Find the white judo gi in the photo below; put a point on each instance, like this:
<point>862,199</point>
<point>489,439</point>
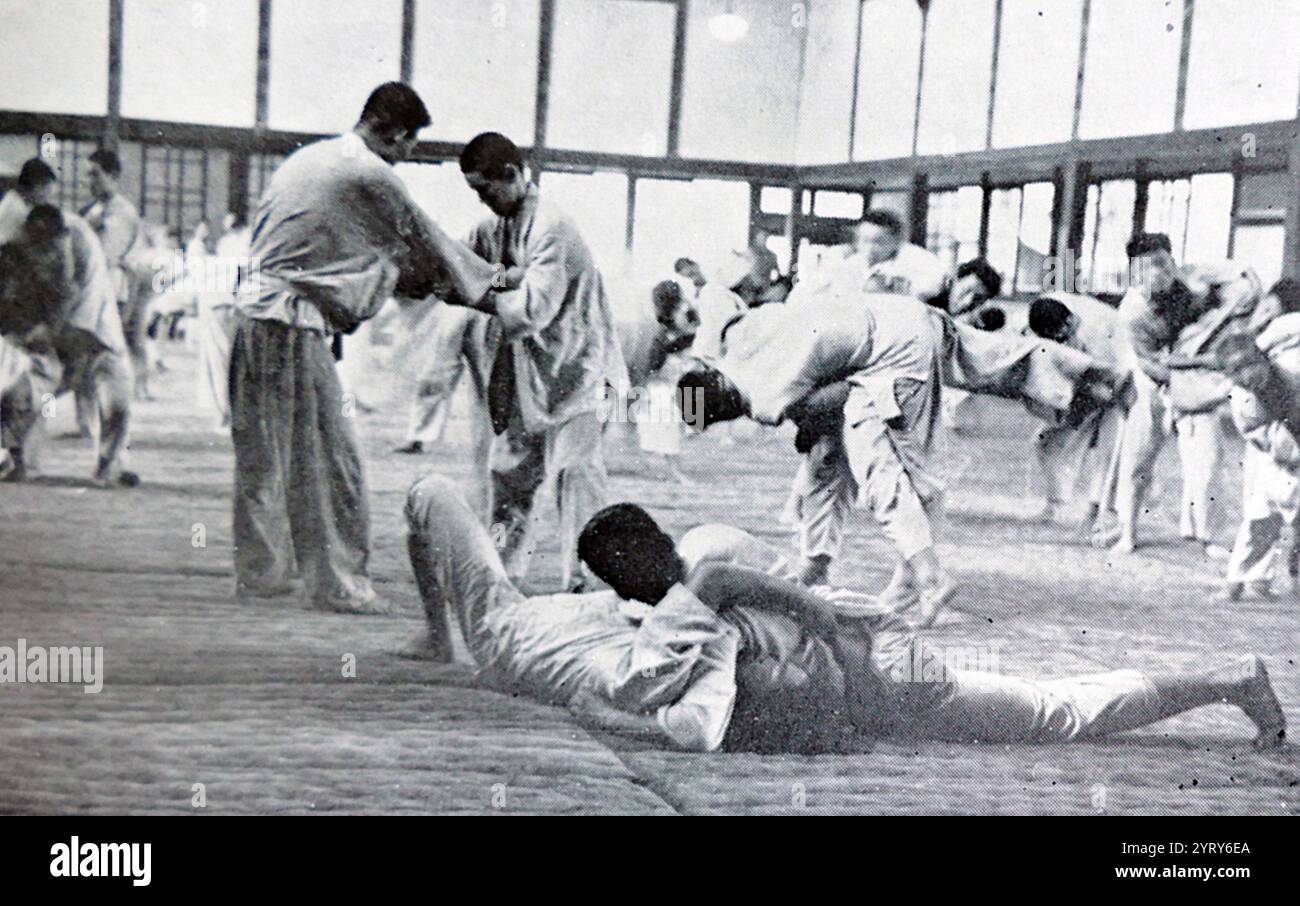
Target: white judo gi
<point>554,350</point>
<point>1271,465</point>
<point>1071,457</point>
<point>676,660</point>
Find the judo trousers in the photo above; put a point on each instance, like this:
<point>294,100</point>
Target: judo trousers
<point>299,489</point>
<point>902,686</point>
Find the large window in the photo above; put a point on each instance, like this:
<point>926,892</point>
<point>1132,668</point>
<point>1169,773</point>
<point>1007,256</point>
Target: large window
<point>740,100</point>
<point>1038,69</point>
<point>489,47</point>
<point>55,56</point>
<point>1133,51</point>
<point>597,202</point>
<point>1258,233</point>
<point>611,70</point>
<point>955,86</point>
<point>192,62</point>
<point>1107,228</point>
<point>1020,234</point>
<point>952,226</point>
<point>326,58</point>
<point>887,74</point>
<point>1243,65</point>
<point>1194,213</point>
<point>826,92</point>
<point>175,187</point>
<point>702,219</point>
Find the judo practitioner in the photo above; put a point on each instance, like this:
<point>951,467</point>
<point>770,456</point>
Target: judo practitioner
<point>887,349</point>
<point>55,273</point>
<point>894,683</point>
<point>1075,451</point>
<point>1170,319</point>
<point>553,349</point>
<point>675,661</point>
<point>117,223</point>
<point>35,186</point>
<point>335,235</point>
<point>833,367</point>
<point>457,349</point>
<point>1271,465</point>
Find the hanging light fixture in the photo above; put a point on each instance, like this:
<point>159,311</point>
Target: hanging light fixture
<point>729,26</point>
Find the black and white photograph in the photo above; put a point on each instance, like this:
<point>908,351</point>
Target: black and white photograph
<point>650,407</point>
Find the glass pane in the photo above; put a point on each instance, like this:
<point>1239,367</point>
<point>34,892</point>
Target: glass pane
<point>598,204</point>
<point>953,224</point>
<point>1263,248</point>
<point>1108,226</point>
<point>1168,205</point>
<point>205,71</point>
<point>442,191</point>
<point>55,56</point>
<point>740,100</point>
<point>775,200</point>
<point>611,67</point>
<point>1035,236</point>
<point>887,79</point>
<point>490,47</point>
<point>175,187</point>
<point>703,219</point>
<point>1038,63</point>
<point>1004,231</point>
<point>958,65</point>
<point>311,90</point>
<point>826,90</point>
<point>1131,43</point>
<point>845,205</point>
<point>1243,65</point>
<point>1209,217</point>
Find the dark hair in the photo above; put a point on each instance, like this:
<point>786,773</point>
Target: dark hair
<point>108,161</point>
<point>1048,317</point>
<point>667,296</point>
<point>1147,244</point>
<point>395,105</point>
<point>886,219</point>
<point>683,265</point>
<point>488,153</point>
<point>1287,291</point>
<point>44,222</point>
<point>987,274</point>
<point>35,173</point>
<point>991,318</point>
<point>722,402</point>
<point>624,547</point>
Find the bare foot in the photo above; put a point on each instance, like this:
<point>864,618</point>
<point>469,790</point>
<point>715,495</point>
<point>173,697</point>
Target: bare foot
<point>1260,703</point>
<point>1124,546</point>
<point>426,647</point>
